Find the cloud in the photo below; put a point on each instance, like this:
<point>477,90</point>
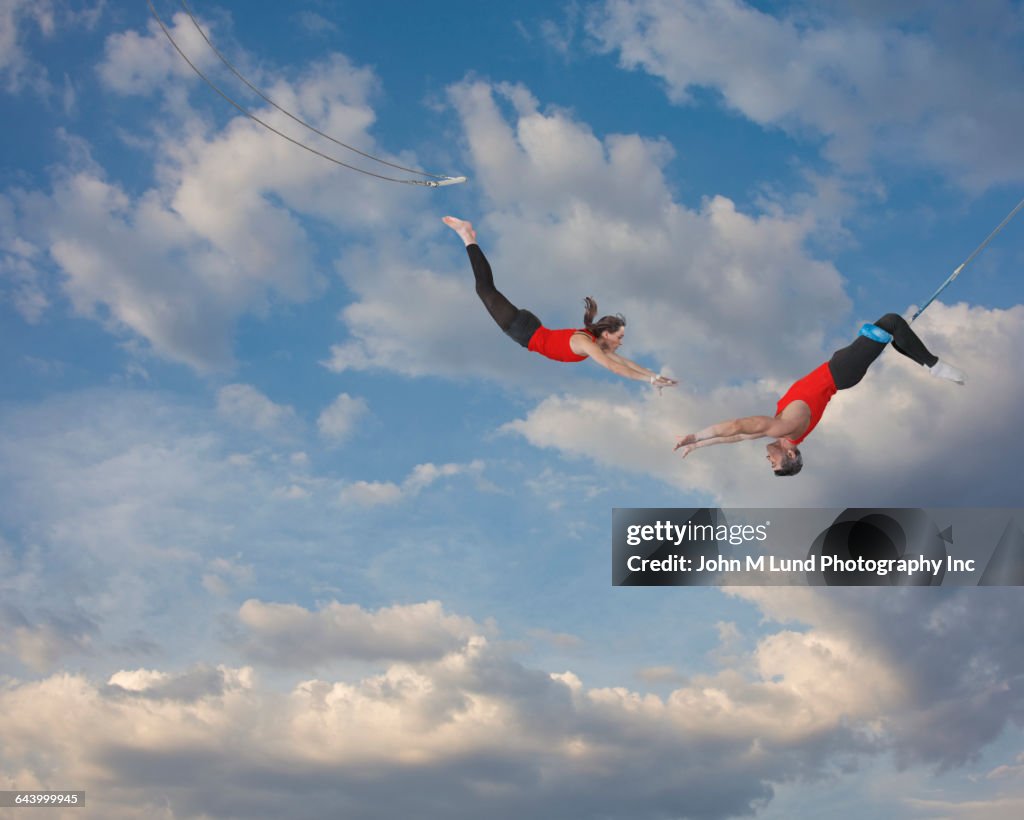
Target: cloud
<point>129,520</point>
<point>133,523</point>
<point>17,69</point>
<point>373,493</point>
<point>219,233</point>
<point>478,734</point>
<point>370,493</point>
<point>868,671</point>
<point>898,438</point>
<point>560,35</point>
<point>20,21</point>
<point>412,321</point>
<point>423,475</point>
<point>1014,771</point>
<point>121,260</point>
<point>290,635</point>
<point>224,573</point>
<point>938,648</point>
<point>559,640</point>
<point>21,282</point>
<point>337,421</point>
<point>315,24</point>
<point>44,637</point>
<point>244,405</point>
<point>189,687</point>
<point>660,674</point>
<point>134,63</point>
<point>927,90</point>
<point>997,809</point>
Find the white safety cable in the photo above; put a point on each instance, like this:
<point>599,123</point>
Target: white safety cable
<point>967,261</point>
<point>434,183</point>
<point>288,114</point>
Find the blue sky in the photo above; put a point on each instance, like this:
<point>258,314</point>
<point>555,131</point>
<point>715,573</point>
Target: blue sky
<point>285,517</point>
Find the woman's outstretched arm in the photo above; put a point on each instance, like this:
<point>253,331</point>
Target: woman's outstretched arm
<point>619,365</point>
<point>654,378</point>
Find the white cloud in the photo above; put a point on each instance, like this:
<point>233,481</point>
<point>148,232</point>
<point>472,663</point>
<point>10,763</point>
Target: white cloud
<point>423,475</point>
<point>244,405</point>
<point>370,493</point>
<point>935,648</point>
<point>139,64</point>
<point>122,262</point>
<point>935,93</point>
<point>315,24</point>
<point>293,491</point>
<point>560,35</point>
<point>423,326</point>
<point>191,686</point>
<point>21,283</point>
<point>223,574</point>
<point>290,635</point>
<point>471,725</point>
<point>42,642</point>
<point>373,493</point>
<point>21,21</point>
<point>17,69</point>
<point>337,422</point>
<point>133,522</point>
<point>130,520</point>
<point>219,233</point>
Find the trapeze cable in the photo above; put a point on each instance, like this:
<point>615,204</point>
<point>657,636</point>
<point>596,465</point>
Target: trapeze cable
<point>433,183</point>
<point>967,261</point>
<point>288,114</point>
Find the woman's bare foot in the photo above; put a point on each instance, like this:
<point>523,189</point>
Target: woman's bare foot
<point>463,228</point>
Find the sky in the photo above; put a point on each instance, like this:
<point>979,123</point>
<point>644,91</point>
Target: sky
<point>289,528</point>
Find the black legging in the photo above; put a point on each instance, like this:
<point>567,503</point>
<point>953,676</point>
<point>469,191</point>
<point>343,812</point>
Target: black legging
<point>501,309</point>
<point>849,364</point>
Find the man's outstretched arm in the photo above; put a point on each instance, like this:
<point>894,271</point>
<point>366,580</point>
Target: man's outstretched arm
<point>743,429</point>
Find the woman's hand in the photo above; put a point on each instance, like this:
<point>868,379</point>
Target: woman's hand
<point>687,443</point>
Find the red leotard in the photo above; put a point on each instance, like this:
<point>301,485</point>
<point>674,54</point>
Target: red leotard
<point>554,344</point>
<point>815,389</point>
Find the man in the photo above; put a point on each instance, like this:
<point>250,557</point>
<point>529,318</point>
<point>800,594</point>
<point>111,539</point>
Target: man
<point>799,411</point>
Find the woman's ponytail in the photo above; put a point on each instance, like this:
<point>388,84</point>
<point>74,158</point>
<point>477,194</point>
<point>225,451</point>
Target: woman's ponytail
<point>609,323</point>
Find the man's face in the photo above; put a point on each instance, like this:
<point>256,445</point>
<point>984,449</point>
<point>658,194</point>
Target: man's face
<point>776,454</point>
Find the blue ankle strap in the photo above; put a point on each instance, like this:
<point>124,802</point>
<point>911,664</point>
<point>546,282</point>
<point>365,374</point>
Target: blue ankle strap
<point>876,333</point>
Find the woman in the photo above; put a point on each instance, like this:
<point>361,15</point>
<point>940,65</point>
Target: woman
<point>596,340</point>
